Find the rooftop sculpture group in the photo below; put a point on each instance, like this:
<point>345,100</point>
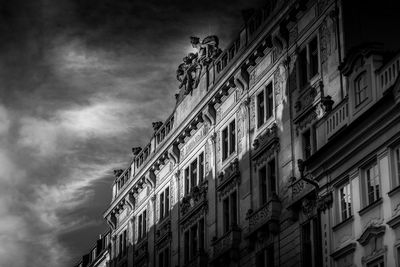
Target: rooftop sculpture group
<point>189,72</point>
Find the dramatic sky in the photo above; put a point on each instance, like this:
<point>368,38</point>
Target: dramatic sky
<point>80,84</point>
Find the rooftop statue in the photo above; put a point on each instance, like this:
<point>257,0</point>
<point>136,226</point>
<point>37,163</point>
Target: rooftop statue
<point>207,49</point>
<point>189,72</point>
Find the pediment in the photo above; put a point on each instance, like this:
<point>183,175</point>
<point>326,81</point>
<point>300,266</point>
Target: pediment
<point>371,232</point>
<point>356,56</point>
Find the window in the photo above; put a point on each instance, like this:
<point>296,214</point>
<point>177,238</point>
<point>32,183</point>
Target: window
<point>344,199</point>
<point>122,248</point>
<point>265,258</point>
<point>360,89</point>
<point>163,258</point>
<point>371,177</point>
<point>267,177</point>
<point>194,173</point>
<point>265,104</point>
<point>194,240</point>
<point>309,142</point>
<point>376,263</point>
<point>164,203</point>
<point>396,165</point>
<point>311,243</point>
<point>308,62</point>
<point>142,221</point>
<point>228,140</point>
<point>229,209</point>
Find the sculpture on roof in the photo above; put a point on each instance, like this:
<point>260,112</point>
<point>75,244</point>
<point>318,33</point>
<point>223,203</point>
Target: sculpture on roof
<point>118,172</point>
<point>136,150</point>
<point>157,125</point>
<point>189,72</point>
<point>207,49</point>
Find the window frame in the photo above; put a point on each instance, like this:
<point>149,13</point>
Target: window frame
<point>194,243</point>
<point>268,107</point>
<point>395,165</point>
<point>304,66</point>
<point>267,189</point>
<point>362,76</point>
<point>142,225</point>
<point>199,170</point>
<point>229,211</point>
<point>230,148</point>
<point>348,209</point>
<point>377,194</point>
<point>164,203</point>
<point>312,139</point>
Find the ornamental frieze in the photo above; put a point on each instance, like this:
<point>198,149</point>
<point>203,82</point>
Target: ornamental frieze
<point>266,144</point>
<point>264,215</point>
<point>194,141</point>
<point>197,197</point>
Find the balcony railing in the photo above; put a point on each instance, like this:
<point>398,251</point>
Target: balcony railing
<point>195,199</point>
<point>267,215</point>
<point>300,189</point>
<point>228,242</point>
<point>337,119</point>
<point>388,74</point>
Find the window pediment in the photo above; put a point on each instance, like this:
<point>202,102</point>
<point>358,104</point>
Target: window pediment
<point>371,232</point>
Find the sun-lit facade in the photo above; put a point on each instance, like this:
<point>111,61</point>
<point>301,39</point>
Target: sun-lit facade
<point>282,150</point>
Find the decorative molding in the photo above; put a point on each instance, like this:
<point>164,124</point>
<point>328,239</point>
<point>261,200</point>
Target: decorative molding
<point>349,248</point>
<point>371,232</point>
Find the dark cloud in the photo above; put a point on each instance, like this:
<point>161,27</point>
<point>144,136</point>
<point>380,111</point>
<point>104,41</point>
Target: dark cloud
<point>79,83</point>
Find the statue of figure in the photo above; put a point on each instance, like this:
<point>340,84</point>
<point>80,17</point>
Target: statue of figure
<point>207,49</point>
<point>188,72</point>
<point>117,173</point>
<point>157,125</point>
<point>136,150</point>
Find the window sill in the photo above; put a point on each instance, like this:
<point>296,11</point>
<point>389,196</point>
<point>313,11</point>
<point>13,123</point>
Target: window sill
<point>343,223</point>
<point>394,191</point>
<point>370,206</point>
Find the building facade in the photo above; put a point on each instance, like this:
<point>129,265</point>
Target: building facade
<point>99,255</point>
<point>282,150</point>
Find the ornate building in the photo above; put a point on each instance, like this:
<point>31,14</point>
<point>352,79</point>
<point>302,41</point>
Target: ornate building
<point>282,150</point>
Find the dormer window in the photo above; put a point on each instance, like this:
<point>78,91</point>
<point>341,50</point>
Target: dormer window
<point>360,89</point>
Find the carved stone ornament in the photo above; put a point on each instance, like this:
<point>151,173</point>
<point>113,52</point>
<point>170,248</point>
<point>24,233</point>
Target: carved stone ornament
<point>189,72</point>
<point>118,172</point>
<point>136,150</point>
<point>157,125</point>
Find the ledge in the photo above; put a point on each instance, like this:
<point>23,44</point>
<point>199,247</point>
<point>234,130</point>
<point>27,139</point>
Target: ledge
<point>342,223</point>
<point>394,191</point>
<point>370,206</point>
<point>344,250</point>
<point>394,222</point>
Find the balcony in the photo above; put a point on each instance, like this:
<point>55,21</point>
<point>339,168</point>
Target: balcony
<point>227,245</point>
<point>265,217</point>
<point>387,76</point>
<point>231,174</point>
<point>196,199</point>
<point>300,189</point>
